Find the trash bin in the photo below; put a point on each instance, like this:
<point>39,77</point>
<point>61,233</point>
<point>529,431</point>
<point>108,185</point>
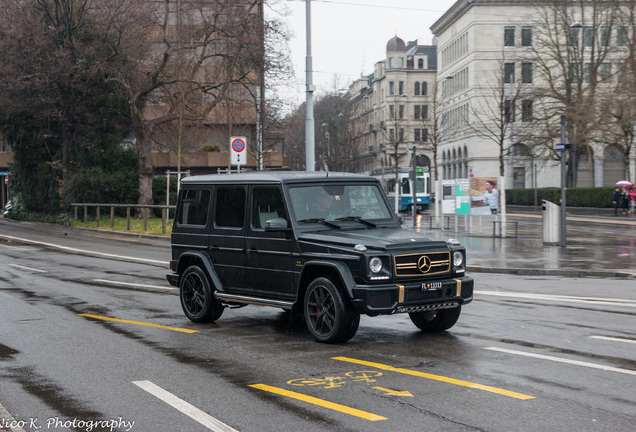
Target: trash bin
<point>551,225</point>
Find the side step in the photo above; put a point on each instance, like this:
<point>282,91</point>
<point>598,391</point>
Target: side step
<point>234,298</point>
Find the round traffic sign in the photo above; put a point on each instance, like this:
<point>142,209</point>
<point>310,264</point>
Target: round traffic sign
<point>238,145</point>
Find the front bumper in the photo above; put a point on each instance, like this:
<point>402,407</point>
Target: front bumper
<point>412,296</point>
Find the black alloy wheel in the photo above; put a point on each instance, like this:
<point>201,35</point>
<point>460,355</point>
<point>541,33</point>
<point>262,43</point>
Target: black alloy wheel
<point>329,318</point>
<point>197,298</point>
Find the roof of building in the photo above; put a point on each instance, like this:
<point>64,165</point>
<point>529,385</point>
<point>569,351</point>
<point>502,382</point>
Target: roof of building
<point>395,44</point>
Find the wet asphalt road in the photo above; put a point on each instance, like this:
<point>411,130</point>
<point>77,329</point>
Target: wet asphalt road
<point>530,353</point>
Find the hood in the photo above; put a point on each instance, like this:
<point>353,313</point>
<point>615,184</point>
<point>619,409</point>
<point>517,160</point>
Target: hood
<point>377,238</point>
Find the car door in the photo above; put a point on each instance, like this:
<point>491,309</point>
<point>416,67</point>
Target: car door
<point>270,254</point>
<point>227,235</point>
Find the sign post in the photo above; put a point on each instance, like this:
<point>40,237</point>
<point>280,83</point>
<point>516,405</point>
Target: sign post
<point>238,155</point>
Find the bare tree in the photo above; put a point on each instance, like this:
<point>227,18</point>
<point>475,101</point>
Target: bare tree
<point>572,57</point>
<point>176,60</point>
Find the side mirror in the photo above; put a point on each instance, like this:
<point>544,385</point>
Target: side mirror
<point>278,224</point>
<point>400,218</point>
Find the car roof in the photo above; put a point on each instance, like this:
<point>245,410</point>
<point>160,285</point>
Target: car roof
<point>275,177</point>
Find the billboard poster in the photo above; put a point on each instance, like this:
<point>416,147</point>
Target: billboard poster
<point>484,196</point>
<point>448,197</point>
<point>462,196</point>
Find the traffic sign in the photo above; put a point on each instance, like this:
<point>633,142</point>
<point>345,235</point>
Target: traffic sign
<point>237,150</point>
<point>559,147</point>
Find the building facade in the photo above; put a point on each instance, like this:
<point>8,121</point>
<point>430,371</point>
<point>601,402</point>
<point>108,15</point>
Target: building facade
<point>511,70</point>
<point>391,107</point>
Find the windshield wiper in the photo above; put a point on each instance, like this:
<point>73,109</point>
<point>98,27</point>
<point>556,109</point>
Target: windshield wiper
<point>357,218</point>
<point>321,220</point>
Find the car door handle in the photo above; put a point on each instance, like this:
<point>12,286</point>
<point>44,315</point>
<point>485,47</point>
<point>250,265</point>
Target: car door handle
<point>252,250</point>
<point>214,248</point>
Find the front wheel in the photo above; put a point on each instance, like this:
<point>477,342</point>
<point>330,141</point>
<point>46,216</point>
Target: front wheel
<point>329,318</point>
<point>197,298</point>
<point>436,321</point>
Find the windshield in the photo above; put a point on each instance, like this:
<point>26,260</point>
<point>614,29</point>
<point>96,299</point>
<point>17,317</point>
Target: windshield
<point>338,202</point>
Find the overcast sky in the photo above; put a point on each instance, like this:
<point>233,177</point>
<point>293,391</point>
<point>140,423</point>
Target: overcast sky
<point>350,36</point>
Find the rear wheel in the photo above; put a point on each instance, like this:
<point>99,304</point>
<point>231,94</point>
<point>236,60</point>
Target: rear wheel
<point>197,298</point>
<point>329,318</point>
<point>436,321</point>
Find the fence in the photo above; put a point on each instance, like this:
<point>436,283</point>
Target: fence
<point>164,213</point>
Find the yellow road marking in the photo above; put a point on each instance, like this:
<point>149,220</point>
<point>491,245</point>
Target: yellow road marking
<point>320,402</point>
<point>139,323</point>
<point>395,392</point>
<point>436,377</point>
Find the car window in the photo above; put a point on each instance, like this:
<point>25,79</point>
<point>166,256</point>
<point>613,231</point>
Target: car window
<point>230,206</point>
<point>267,203</point>
<point>194,207</point>
<point>333,202</point>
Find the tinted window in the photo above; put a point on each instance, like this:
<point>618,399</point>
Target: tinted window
<point>194,207</point>
<point>267,203</point>
<point>230,206</point>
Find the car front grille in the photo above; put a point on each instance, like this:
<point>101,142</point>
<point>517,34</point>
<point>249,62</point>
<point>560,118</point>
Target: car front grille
<point>422,264</point>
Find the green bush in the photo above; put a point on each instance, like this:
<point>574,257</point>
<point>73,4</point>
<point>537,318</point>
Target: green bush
<point>576,197</point>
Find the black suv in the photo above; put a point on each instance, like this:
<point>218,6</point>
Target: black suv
<point>324,243</point>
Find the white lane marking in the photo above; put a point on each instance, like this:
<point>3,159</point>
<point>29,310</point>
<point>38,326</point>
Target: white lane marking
<point>132,284</point>
<point>562,298</point>
<point>613,339</point>
<point>28,268</point>
<point>183,406</point>
<point>70,249</point>
<point>562,360</point>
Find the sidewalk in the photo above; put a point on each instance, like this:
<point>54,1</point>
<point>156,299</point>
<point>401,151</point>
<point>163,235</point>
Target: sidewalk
<point>598,244</point>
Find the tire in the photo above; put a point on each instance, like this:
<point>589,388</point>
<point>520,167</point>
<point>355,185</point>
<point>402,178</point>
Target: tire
<point>436,321</point>
<point>197,298</point>
<point>328,317</point>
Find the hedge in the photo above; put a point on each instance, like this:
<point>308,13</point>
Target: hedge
<point>576,197</point>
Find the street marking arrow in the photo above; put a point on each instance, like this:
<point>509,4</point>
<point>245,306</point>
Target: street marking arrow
<point>394,392</point>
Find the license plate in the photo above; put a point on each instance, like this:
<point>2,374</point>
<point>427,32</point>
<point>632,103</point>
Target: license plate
<point>430,286</point>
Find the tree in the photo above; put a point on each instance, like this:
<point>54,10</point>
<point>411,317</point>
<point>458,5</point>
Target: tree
<point>572,54</point>
<point>178,60</point>
<point>51,79</point>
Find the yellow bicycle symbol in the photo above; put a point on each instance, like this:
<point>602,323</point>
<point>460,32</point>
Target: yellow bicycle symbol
<point>336,381</point>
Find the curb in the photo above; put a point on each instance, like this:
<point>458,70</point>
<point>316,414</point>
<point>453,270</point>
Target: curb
<point>574,273</point>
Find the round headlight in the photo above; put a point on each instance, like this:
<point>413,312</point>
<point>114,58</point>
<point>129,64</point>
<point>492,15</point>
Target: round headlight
<point>458,259</point>
<point>375,264</point>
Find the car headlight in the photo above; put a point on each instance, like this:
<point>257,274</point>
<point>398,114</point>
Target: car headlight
<point>375,265</point>
<point>458,259</point>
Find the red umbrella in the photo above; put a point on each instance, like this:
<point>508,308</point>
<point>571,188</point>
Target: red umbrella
<point>623,183</point>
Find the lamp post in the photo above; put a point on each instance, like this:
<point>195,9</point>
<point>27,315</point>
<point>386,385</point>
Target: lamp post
<point>563,190</point>
<point>310,156</point>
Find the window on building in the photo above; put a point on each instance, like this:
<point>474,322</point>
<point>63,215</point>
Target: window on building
<point>417,136</point>
<point>391,111</point>
<point>509,111</point>
<point>587,68</point>
<point>417,112</point>
<point>574,36</point>
<point>401,112</point>
<point>391,88</point>
<point>416,89</point>
<point>588,36</point>
<point>392,135</point>
<point>401,62</point>
<point>605,72</point>
<point>424,135</point>
<point>509,73</point>
<point>509,36</point>
<point>420,63</point>
<point>424,88</point>
<point>605,36</point>
<point>526,36</point>
<point>526,73</point>
<point>391,62</point>
<point>621,36</point>
<point>526,110</point>
<point>401,88</point>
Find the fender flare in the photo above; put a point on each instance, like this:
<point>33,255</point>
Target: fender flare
<point>341,269</point>
<point>207,265</point>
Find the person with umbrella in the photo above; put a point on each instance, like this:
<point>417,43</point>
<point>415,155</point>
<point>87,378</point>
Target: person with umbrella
<point>625,198</point>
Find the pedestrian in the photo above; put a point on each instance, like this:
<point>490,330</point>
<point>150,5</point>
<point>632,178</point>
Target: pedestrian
<point>625,201</point>
<point>616,197</point>
<point>632,199</point>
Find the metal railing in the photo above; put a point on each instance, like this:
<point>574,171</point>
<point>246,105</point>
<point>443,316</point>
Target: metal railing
<point>164,213</point>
